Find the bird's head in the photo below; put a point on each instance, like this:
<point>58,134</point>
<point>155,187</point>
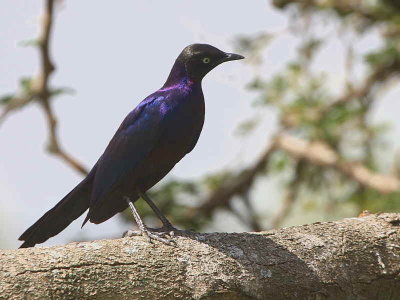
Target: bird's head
<point>196,60</point>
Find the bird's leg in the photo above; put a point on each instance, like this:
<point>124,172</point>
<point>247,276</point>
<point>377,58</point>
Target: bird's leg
<point>166,224</point>
<point>143,229</point>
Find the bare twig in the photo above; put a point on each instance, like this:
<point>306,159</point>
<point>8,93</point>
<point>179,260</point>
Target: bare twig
<point>41,86</point>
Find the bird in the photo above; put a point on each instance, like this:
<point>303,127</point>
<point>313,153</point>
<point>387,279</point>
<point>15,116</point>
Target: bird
<point>153,137</point>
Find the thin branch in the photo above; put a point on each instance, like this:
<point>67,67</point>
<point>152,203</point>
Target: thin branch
<point>395,169</point>
<point>15,103</point>
<point>41,85</point>
<point>248,218</point>
<point>253,218</point>
<point>291,195</point>
<point>362,93</point>
<point>379,75</point>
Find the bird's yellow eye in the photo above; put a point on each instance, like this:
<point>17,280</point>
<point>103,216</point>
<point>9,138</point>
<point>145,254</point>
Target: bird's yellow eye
<point>206,60</point>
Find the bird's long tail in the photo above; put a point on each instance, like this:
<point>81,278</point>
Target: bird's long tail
<point>73,205</point>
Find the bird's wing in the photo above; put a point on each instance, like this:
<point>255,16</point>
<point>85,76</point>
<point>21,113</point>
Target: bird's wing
<point>133,141</point>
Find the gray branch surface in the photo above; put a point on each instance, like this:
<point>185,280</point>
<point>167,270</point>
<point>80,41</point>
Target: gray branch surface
<point>355,258</point>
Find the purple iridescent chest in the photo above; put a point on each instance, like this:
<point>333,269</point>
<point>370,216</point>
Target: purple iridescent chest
<point>183,110</point>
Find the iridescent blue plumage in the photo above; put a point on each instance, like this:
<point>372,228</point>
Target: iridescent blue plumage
<point>156,135</point>
<point>148,144</point>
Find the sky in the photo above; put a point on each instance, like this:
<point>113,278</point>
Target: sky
<point>113,56</point>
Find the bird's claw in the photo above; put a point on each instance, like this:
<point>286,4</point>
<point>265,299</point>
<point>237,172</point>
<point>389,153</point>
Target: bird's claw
<point>158,237</point>
<point>159,234</point>
<point>172,231</point>
<point>151,235</point>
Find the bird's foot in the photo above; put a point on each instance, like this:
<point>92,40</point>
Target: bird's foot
<point>151,234</point>
<point>172,231</point>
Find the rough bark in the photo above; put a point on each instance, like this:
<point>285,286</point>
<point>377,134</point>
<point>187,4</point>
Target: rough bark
<point>355,258</point>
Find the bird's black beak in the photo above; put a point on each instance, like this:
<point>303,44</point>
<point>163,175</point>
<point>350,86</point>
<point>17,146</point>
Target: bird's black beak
<point>231,56</point>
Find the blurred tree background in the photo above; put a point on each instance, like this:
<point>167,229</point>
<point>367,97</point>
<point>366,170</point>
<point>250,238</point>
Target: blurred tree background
<point>328,156</point>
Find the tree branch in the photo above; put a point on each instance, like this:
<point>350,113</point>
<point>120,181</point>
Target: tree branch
<point>356,258</point>
<point>321,154</point>
<point>238,186</point>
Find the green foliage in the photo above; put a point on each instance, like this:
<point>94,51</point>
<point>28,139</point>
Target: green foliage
<point>280,162</point>
<point>26,85</point>
<point>29,43</point>
<point>252,47</point>
<point>27,94</point>
<point>375,202</point>
<point>62,91</point>
<point>247,126</point>
<point>4,100</point>
<point>387,56</point>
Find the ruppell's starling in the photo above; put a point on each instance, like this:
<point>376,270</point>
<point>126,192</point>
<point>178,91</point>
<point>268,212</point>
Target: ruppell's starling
<point>154,136</point>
